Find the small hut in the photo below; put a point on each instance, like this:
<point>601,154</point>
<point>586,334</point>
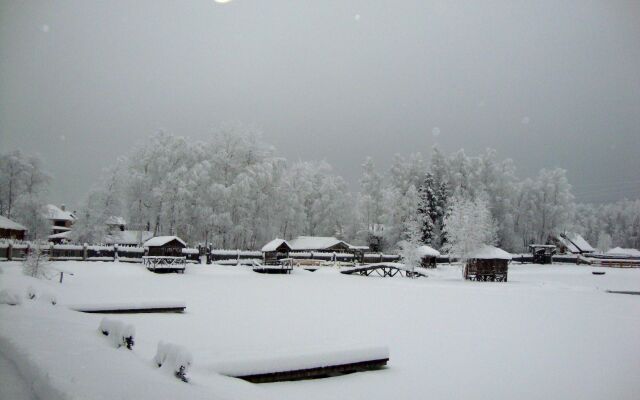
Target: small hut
<point>11,230</point>
<point>488,263</point>
<point>275,250</point>
<point>165,246</point>
<point>428,256</point>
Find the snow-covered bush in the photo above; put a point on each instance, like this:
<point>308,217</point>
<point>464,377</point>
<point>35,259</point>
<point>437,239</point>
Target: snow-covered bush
<point>175,358</point>
<point>119,333</point>
<point>8,296</point>
<point>37,263</point>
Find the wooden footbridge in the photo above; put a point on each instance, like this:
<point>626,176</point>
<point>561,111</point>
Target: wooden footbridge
<point>386,270</point>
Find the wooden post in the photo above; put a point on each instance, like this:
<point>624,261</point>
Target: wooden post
<point>10,252</point>
<point>115,252</point>
<point>85,252</point>
<point>61,276</point>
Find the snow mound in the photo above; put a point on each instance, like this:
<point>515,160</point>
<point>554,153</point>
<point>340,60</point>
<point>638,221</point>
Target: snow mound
<point>119,333</point>
<point>173,358</point>
<point>10,297</point>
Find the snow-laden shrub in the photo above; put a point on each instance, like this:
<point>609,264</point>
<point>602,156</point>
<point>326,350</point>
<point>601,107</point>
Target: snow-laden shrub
<point>10,297</point>
<point>37,263</point>
<point>119,333</point>
<point>175,358</point>
<point>31,293</point>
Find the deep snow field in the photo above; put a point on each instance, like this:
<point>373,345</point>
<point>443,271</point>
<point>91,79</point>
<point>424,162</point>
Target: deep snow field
<point>551,332</point>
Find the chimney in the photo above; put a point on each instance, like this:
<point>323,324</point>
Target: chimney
<point>63,207</point>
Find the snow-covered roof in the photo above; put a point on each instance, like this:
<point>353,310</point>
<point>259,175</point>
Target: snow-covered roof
<point>161,241</point>
<point>487,252</point>
<point>575,243</point>
<point>61,235</point>
<point>6,223</point>
<point>314,242</point>
<point>128,237</point>
<point>113,220</point>
<point>55,213</point>
<point>356,247</point>
<point>619,251</point>
<point>274,244</point>
<point>426,251</point>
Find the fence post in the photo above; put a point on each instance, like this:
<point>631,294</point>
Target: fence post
<point>115,252</point>
<point>10,252</point>
<point>51,251</point>
<point>84,252</point>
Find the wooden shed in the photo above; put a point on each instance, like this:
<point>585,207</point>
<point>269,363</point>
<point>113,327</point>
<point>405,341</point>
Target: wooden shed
<point>488,263</point>
<point>542,253</point>
<point>428,256</point>
<point>165,246</point>
<point>275,250</point>
<point>11,230</point>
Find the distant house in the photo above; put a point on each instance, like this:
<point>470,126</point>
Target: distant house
<point>61,219</point>
<point>571,243</point>
<point>165,246</point>
<point>11,230</point>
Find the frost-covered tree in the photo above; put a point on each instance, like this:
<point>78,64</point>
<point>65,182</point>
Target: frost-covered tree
<point>467,226</point>
<point>428,208</point>
<point>410,245</point>
<point>370,202</point>
<point>23,186</point>
<point>604,242</point>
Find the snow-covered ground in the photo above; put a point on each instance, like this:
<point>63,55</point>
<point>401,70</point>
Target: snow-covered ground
<point>550,332</point>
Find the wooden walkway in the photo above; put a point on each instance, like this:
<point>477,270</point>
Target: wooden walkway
<point>384,270</point>
<point>161,264</point>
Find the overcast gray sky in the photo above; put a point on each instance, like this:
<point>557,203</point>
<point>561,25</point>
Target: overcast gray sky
<point>546,82</point>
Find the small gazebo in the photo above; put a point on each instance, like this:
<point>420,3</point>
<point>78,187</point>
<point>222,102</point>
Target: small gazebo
<point>487,263</point>
<point>428,256</point>
<point>275,250</point>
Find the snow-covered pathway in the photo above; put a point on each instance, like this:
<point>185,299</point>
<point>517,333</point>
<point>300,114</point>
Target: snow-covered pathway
<point>12,384</point>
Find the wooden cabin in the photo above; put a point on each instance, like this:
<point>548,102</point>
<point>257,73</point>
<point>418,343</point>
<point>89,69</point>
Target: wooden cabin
<point>275,250</point>
<point>11,230</point>
<point>165,246</point>
<point>488,263</point>
<point>428,256</point>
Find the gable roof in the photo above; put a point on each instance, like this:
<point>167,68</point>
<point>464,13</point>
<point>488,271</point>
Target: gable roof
<point>162,240</point>
<point>55,213</point>
<point>128,237</point>
<point>314,243</point>
<point>6,223</point>
<point>575,243</point>
<point>274,244</point>
<point>486,252</point>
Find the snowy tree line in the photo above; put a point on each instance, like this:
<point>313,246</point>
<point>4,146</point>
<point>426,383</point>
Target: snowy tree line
<point>234,192</point>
